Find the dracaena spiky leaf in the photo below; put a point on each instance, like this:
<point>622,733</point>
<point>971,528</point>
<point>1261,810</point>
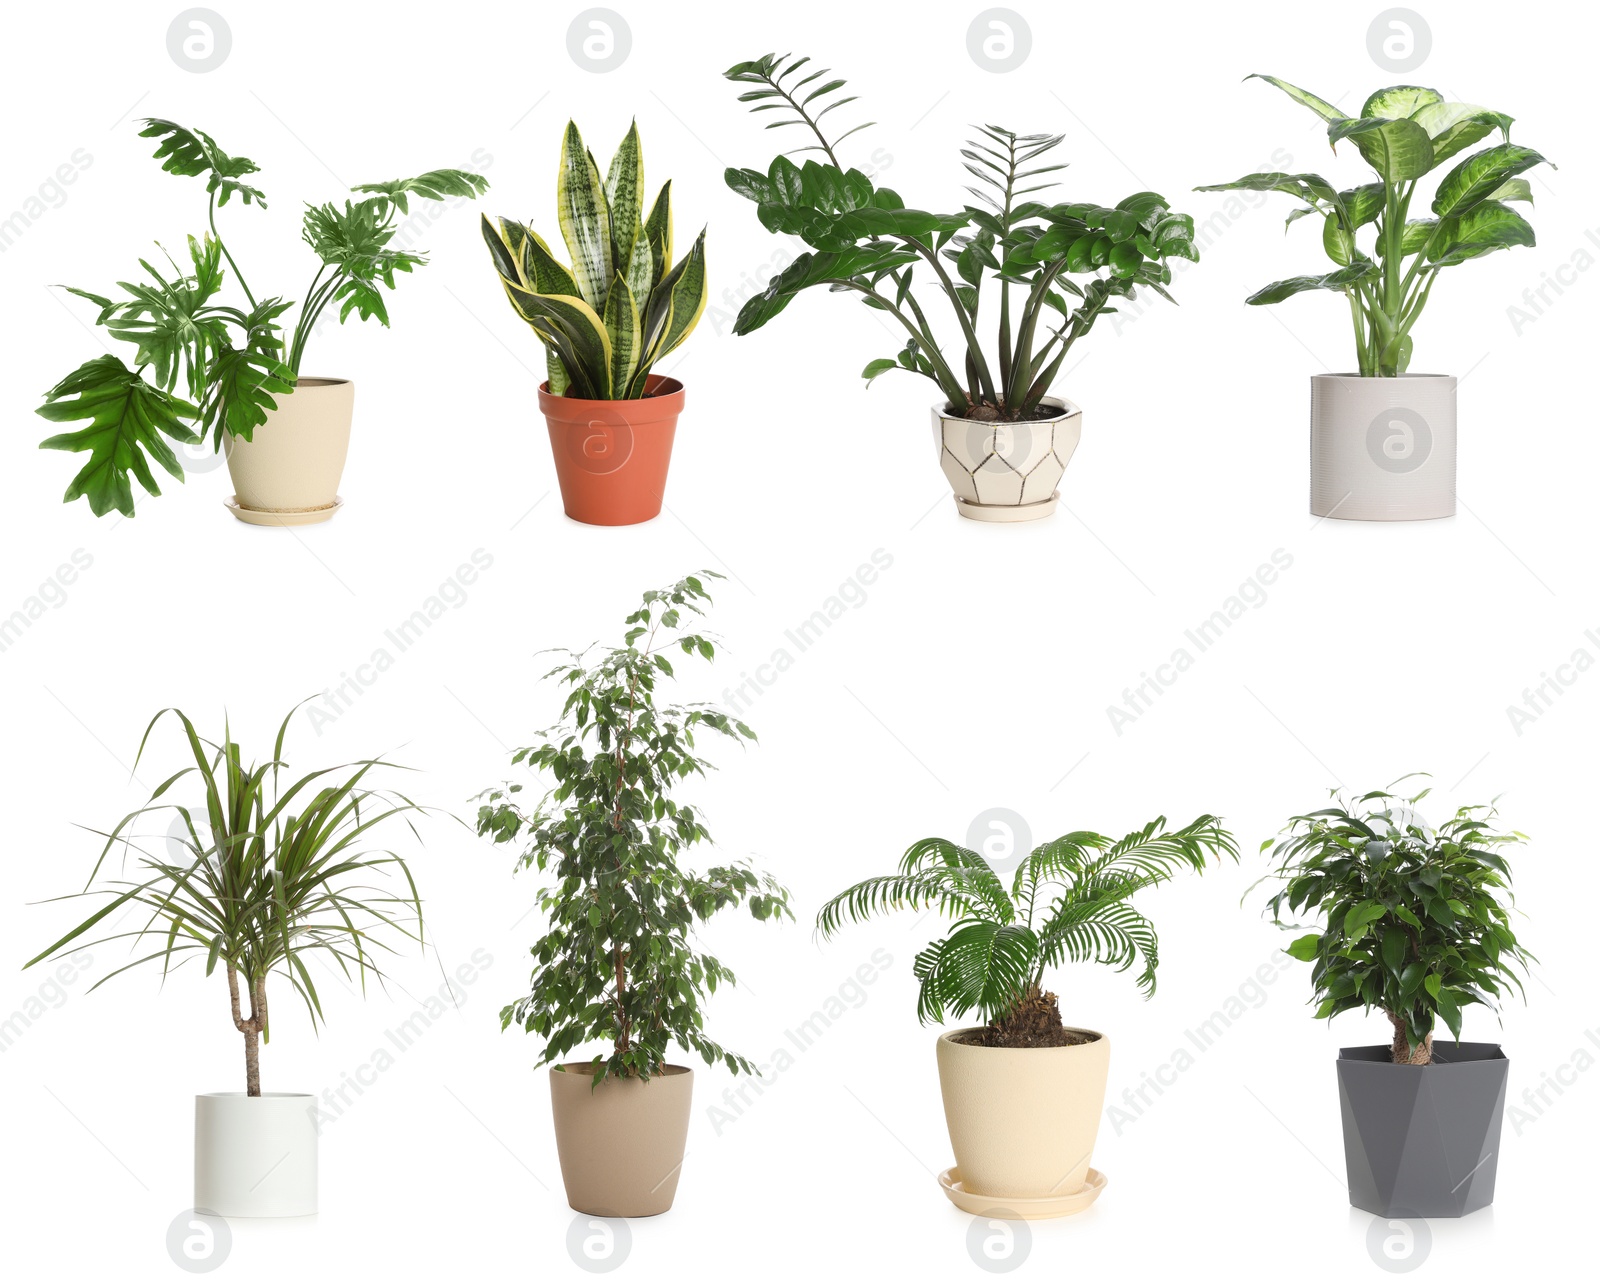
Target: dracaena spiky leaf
<point>623,305</point>
<point>1404,133</point>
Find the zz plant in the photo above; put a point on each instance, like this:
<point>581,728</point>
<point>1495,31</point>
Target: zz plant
<point>863,240</point>
<point>270,872</point>
<point>1067,902</point>
<point>624,304</point>
<point>1404,132</point>
<point>231,361</point>
<point>1415,920</point>
<point>618,964</point>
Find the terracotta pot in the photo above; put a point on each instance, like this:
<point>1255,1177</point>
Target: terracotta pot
<point>612,456</point>
<point>288,472</point>
<point>1023,1121</point>
<point>620,1142</point>
<point>255,1155</point>
<point>1383,449</point>
<point>1007,471</point>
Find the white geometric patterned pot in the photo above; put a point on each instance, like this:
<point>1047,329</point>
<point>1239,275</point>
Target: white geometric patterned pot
<point>1383,449</point>
<point>1007,471</point>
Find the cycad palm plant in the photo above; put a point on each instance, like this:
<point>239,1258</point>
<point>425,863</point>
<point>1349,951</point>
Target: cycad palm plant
<point>1067,902</point>
<point>623,305</point>
<point>259,886</point>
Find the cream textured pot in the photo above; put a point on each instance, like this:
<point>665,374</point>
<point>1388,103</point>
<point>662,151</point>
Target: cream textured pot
<point>255,1155</point>
<point>1007,471</point>
<point>620,1142</point>
<point>1383,449</point>
<point>288,472</point>
<point>1023,1122</point>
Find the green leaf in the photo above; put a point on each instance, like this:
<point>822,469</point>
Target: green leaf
<point>1324,109</point>
<point>880,366</point>
<point>1399,102</point>
<point>1341,279</point>
<point>575,331</point>
<point>1485,227</point>
<point>622,325</point>
<point>1480,175</point>
<point>195,155</point>
<point>584,218</point>
<point>1305,948</point>
<point>1455,126</point>
<point>625,200</point>
<point>125,419</point>
<point>1398,149</point>
<point>436,184</point>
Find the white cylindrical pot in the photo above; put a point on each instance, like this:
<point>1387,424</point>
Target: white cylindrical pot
<point>255,1156</point>
<point>288,472</point>
<point>1383,449</point>
<point>1007,471</point>
<point>1023,1121</point>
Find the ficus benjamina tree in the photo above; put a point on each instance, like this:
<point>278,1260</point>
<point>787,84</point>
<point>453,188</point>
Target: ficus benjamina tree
<point>617,964</point>
<point>863,240</point>
<point>270,871</point>
<point>1416,921</point>
<point>624,304</point>
<point>1404,132</point>
<point>1068,901</point>
<point>231,361</point>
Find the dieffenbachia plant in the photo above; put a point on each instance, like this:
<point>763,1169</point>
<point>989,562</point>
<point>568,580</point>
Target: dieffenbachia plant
<point>1415,920</point>
<point>233,361</point>
<point>623,305</point>
<point>1404,133</point>
<point>864,240</point>
<point>265,875</point>
<point>1067,902</point>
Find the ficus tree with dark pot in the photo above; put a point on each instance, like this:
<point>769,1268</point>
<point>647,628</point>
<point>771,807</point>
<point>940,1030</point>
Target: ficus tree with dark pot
<point>202,363</point>
<point>623,305</point>
<point>1404,132</point>
<point>618,962</point>
<point>863,240</point>
<point>271,871</point>
<point>1067,902</point>
<point>1415,921</point>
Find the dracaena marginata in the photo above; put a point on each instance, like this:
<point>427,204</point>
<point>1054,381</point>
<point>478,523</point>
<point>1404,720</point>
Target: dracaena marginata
<point>232,361</point>
<point>1415,920</point>
<point>269,872</point>
<point>863,240</point>
<point>1404,132</point>
<point>623,305</point>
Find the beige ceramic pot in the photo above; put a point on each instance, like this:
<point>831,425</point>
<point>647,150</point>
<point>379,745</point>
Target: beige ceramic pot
<point>620,1142</point>
<point>1023,1122</point>
<point>288,472</point>
<point>1007,471</point>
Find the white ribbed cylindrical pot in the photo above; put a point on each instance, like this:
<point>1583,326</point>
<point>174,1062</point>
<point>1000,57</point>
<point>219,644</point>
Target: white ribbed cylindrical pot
<point>1023,1121</point>
<point>255,1156</point>
<point>290,467</point>
<point>1383,449</point>
<point>1007,471</point>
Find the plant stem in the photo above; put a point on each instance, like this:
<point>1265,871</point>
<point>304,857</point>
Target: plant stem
<point>974,347</point>
<point>211,217</point>
<point>251,1028</point>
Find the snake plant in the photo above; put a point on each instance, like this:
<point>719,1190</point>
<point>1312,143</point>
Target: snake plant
<point>1404,132</point>
<point>233,361</point>
<point>622,306</point>
<point>863,240</point>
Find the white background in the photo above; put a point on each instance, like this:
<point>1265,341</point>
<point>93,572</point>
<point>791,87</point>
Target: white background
<point>975,672</point>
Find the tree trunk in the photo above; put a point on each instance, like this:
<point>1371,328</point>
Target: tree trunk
<point>1400,1051</point>
<point>251,1028</point>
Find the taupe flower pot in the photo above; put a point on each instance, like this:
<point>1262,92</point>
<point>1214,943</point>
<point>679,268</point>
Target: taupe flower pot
<point>1383,449</point>
<point>1007,471</point>
<point>1422,1141</point>
<point>620,1141</point>
<point>288,472</point>
<point>1023,1121</point>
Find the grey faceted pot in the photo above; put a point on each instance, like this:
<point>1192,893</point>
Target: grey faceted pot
<point>1422,1141</point>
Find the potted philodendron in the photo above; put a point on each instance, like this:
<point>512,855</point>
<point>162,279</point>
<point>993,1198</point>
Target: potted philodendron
<point>269,873</point>
<point>1415,922</point>
<point>618,965</point>
<point>230,371</point>
<point>1003,441</point>
<point>1023,1091</point>
<point>1383,439</point>
<point>605,323</point>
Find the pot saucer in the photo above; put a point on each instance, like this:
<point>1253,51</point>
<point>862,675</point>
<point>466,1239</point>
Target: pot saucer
<point>260,516</point>
<point>1006,512</point>
<point>1021,1208</point>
